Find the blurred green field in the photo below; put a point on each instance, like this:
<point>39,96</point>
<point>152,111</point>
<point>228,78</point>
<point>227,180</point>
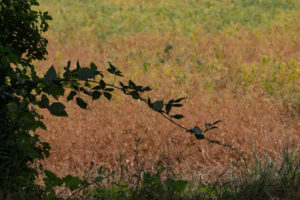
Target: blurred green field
<point>239,46</point>
<point>104,19</point>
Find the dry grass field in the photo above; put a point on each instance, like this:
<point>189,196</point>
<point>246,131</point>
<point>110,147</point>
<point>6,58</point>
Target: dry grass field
<point>244,70</point>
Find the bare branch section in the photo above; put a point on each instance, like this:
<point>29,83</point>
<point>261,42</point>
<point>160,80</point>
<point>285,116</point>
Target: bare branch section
<point>90,81</point>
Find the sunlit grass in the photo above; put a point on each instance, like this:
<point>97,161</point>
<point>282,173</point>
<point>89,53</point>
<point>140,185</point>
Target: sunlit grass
<point>242,45</point>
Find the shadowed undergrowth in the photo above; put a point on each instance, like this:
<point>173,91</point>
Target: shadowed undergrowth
<point>263,179</point>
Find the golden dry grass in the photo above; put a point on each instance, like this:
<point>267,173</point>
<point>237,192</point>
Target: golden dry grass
<point>125,136</point>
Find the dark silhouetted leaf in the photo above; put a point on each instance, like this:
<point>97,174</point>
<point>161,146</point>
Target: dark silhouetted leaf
<point>199,137</point>
<point>122,85</point>
<point>78,65</point>
<point>131,84</point>
<point>96,95</point>
<point>86,91</point>
<point>113,70</point>
<point>50,74</point>
<point>56,90</point>
<point>216,122</point>
<point>207,125</point>
<point>210,128</point>
<point>178,116</point>
<point>178,100</point>
<point>41,125</point>
<point>57,109</point>
<point>71,95</point>
<point>81,103</point>
<point>72,182</point>
<point>197,132</point>
<point>168,108</point>
<point>112,66</point>
<point>85,73</point>
<point>147,88</point>
<point>177,105</point>
<point>67,68</point>
<point>158,105</point>
<point>96,87</point>
<point>107,95</point>
<point>93,67</point>
<point>149,102</point>
<point>109,89</point>
<point>134,95</point>
<point>44,102</point>
<point>12,106</point>
<point>102,84</point>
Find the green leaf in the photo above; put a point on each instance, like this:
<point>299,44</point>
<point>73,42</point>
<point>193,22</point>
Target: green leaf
<point>96,95</point>
<point>158,105</point>
<point>53,179</point>
<point>81,103</point>
<point>72,182</point>
<point>71,95</point>
<point>170,184</point>
<point>56,90</point>
<point>13,58</point>
<point>107,95</point>
<point>180,186</point>
<point>27,119</point>
<point>57,109</point>
<point>44,102</point>
<point>50,74</point>
<point>41,125</point>
<point>4,61</point>
<point>178,116</point>
<point>12,106</point>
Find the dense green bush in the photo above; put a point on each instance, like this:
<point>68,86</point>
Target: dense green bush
<point>20,43</point>
<point>22,91</point>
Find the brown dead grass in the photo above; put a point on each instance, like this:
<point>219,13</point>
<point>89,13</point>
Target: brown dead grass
<point>125,136</point>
